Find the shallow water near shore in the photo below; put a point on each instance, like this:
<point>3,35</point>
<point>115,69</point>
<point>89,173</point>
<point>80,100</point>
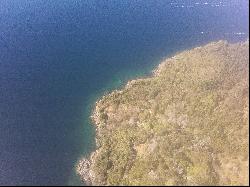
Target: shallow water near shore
<point>57,58</point>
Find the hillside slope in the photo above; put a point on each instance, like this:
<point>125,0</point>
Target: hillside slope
<point>185,125</point>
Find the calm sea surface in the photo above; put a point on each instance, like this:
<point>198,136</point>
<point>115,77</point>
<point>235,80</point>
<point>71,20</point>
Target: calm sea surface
<point>57,57</point>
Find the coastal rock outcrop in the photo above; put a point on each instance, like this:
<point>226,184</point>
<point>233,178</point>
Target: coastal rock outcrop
<point>187,124</point>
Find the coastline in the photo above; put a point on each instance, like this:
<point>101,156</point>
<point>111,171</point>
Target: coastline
<point>84,166</point>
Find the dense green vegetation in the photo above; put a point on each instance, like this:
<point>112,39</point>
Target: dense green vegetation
<point>186,125</point>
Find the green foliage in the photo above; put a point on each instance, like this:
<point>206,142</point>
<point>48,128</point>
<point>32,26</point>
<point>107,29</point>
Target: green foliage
<point>183,126</point>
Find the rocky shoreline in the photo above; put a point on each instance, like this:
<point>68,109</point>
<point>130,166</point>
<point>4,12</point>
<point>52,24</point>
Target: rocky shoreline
<point>84,167</point>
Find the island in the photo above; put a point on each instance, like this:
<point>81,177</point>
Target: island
<point>186,124</point>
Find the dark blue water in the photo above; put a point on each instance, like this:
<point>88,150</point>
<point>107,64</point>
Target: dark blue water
<point>58,56</point>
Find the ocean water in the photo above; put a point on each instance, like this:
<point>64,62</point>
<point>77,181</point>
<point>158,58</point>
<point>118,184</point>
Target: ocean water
<point>58,56</point>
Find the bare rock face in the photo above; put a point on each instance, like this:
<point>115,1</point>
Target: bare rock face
<point>186,125</point>
<point>83,170</point>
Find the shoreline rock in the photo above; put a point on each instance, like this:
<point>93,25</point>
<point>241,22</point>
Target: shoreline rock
<point>84,167</point>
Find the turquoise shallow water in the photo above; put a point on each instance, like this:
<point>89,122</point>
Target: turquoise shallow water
<point>58,57</point>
